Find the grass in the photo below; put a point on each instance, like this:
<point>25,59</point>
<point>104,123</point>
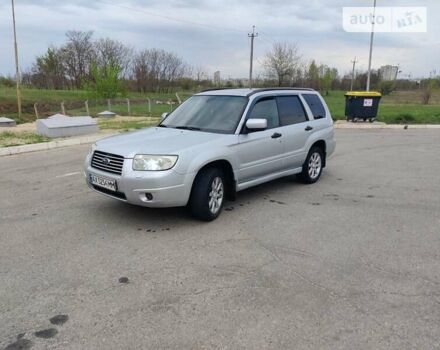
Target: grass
<point>17,138</point>
<point>137,109</point>
<point>49,102</point>
<point>35,95</point>
<point>8,138</point>
<point>399,107</point>
<point>126,125</point>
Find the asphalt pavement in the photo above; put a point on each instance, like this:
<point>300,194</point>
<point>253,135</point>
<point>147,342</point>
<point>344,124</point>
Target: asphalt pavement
<point>352,262</point>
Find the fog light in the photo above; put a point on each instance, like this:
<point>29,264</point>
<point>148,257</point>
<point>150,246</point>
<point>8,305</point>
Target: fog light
<point>149,196</point>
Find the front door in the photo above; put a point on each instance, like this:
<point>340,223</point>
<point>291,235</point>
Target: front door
<point>260,153</point>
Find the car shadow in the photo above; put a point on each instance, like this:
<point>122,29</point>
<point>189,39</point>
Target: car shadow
<point>122,214</point>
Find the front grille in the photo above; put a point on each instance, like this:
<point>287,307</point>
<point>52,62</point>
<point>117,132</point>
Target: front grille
<point>108,162</point>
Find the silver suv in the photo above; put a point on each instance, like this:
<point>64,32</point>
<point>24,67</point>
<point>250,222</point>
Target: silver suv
<point>213,145</point>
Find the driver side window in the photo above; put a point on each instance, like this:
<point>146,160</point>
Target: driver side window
<point>266,109</point>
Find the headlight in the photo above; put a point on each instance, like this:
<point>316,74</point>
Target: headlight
<point>150,163</point>
<point>92,149</point>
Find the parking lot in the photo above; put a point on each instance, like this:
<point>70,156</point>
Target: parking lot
<point>352,262</point>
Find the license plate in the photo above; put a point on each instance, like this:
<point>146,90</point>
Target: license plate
<point>103,182</point>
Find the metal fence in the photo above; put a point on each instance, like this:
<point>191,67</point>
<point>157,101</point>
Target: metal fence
<point>148,107</point>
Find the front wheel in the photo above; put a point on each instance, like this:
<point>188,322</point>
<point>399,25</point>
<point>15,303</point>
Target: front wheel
<point>208,194</point>
<point>312,167</point>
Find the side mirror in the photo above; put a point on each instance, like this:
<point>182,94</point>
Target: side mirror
<point>163,116</point>
<point>256,124</point>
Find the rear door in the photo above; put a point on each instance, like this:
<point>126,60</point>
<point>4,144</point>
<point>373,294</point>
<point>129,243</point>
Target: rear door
<point>260,153</point>
<point>295,128</point>
<point>317,108</point>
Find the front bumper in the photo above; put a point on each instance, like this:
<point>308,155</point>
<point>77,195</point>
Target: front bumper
<point>154,189</point>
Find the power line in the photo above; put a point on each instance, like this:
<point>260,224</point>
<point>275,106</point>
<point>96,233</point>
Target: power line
<point>174,19</point>
<point>265,40</point>
<point>268,37</point>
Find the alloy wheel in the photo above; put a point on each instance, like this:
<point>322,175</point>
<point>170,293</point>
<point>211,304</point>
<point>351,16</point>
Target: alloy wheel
<point>216,195</point>
<point>315,165</point>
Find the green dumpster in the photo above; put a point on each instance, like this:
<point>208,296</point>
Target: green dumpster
<point>362,105</point>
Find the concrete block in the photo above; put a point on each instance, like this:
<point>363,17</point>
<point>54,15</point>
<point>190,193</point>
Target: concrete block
<point>58,115</point>
<point>63,126</point>
<point>106,114</point>
<point>7,123</point>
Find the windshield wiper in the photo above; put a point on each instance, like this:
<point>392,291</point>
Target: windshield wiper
<point>183,127</point>
<point>162,126</point>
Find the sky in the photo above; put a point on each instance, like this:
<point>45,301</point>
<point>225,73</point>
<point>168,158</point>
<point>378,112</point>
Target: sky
<point>213,34</point>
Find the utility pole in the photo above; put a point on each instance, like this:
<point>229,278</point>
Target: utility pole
<point>252,36</point>
<point>371,47</point>
<point>17,68</point>
<point>397,72</point>
<point>353,73</point>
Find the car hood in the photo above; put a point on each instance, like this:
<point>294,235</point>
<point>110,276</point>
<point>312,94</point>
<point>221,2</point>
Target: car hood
<point>155,141</point>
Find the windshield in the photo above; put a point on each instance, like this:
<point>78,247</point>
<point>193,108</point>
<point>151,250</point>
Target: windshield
<point>208,113</point>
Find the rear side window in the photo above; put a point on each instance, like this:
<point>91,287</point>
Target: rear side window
<point>315,105</point>
<point>266,109</point>
<point>291,110</point>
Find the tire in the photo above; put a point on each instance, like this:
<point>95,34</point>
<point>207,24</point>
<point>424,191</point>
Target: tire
<point>208,195</point>
<point>312,168</point>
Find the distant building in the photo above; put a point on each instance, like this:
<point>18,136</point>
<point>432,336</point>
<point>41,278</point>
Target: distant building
<point>217,79</point>
<point>388,72</point>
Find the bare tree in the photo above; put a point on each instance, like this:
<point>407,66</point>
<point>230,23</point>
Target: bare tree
<point>200,74</point>
<point>77,56</point>
<point>282,62</point>
<point>110,52</point>
<point>144,69</point>
<point>155,69</point>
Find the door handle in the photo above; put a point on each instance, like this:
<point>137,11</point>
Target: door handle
<point>308,128</point>
<point>276,135</point>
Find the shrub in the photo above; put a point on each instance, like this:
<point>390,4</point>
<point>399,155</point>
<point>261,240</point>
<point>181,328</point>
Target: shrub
<point>429,88</point>
<point>387,87</point>
<point>6,81</point>
<point>105,81</point>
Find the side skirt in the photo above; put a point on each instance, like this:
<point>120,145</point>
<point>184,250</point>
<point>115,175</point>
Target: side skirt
<point>263,179</point>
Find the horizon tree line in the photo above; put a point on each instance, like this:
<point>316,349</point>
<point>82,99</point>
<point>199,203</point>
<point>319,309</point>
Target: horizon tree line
<point>111,68</point>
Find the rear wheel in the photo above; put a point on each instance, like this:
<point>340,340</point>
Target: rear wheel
<point>208,194</point>
<point>313,165</point>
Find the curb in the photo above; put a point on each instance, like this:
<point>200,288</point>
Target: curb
<point>385,126</point>
<point>9,151</point>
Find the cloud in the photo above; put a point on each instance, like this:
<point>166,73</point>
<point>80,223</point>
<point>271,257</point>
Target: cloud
<point>213,33</point>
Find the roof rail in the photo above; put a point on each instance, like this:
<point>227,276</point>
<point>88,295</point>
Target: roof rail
<point>214,89</point>
<point>256,91</point>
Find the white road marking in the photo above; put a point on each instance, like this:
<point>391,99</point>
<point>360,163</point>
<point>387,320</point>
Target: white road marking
<point>69,174</point>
